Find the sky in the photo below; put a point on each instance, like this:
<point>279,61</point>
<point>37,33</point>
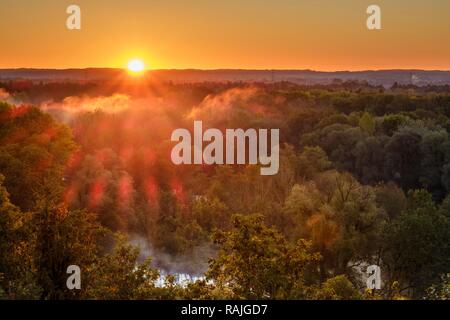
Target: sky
<point>326,35</point>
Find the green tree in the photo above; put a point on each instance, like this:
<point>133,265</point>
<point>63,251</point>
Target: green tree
<point>64,237</point>
<point>440,291</point>
<point>119,276</point>
<point>256,262</point>
<point>312,161</point>
<point>34,150</point>
<point>367,123</point>
<point>403,158</point>
<point>17,244</point>
<point>337,288</point>
<point>417,244</point>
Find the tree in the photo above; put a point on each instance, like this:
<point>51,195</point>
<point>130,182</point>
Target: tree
<point>17,244</point>
<point>392,122</point>
<point>440,291</point>
<point>256,262</point>
<point>369,159</point>
<point>337,288</point>
<point>417,244</point>
<point>211,214</point>
<point>367,123</point>
<point>391,199</point>
<point>403,158</point>
<point>434,148</point>
<point>34,150</point>
<point>341,218</point>
<point>64,237</point>
<point>119,276</point>
<point>101,185</point>
<point>312,161</point>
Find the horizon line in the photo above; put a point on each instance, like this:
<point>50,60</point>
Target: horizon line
<point>222,69</point>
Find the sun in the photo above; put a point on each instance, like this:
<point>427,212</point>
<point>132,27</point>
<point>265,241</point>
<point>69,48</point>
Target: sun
<point>136,66</point>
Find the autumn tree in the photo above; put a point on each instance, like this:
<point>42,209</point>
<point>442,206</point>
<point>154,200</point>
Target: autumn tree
<point>256,262</point>
<point>17,243</point>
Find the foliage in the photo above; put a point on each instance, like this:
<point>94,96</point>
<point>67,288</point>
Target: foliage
<point>256,262</point>
<point>364,178</point>
<point>440,291</point>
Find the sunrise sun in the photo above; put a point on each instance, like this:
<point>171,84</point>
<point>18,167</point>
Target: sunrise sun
<point>136,66</point>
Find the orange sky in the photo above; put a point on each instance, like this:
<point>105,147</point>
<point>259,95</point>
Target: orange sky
<point>209,34</point>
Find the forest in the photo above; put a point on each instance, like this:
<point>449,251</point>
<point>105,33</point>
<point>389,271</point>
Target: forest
<point>86,179</point>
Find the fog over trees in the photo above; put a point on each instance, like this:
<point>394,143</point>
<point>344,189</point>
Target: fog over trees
<point>86,179</point>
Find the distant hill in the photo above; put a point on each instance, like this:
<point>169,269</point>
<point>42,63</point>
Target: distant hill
<point>381,77</point>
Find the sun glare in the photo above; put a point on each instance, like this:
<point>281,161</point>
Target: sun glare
<point>136,66</point>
